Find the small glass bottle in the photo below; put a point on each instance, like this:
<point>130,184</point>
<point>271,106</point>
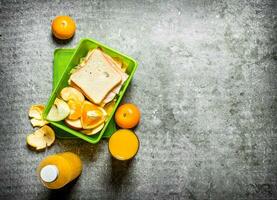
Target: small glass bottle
<point>55,171</point>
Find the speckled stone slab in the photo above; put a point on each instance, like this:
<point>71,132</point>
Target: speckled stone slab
<point>206,86</point>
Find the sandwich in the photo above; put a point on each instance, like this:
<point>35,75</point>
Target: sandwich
<point>98,77</point>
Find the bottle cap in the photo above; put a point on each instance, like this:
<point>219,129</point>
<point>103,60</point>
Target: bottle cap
<point>49,173</point>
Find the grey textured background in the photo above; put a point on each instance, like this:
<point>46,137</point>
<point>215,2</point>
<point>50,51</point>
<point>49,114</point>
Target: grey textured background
<point>206,87</point>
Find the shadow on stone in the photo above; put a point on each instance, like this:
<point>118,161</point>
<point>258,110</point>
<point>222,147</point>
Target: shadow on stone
<point>63,193</point>
<point>88,152</point>
<point>61,42</point>
<point>120,170</point>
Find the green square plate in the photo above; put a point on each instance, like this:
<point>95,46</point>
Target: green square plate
<point>61,60</point>
<point>81,51</point>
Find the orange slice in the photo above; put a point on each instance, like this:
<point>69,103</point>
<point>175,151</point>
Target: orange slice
<point>36,111</point>
<point>70,93</point>
<point>94,130</point>
<point>92,115</point>
<point>109,107</point>
<point>74,124</point>
<point>75,109</point>
<point>41,138</point>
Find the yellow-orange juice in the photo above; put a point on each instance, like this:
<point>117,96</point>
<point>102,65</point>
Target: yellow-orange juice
<point>55,171</point>
<point>123,144</point>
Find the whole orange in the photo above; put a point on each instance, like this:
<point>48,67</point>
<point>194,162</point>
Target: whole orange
<point>127,116</point>
<point>63,27</point>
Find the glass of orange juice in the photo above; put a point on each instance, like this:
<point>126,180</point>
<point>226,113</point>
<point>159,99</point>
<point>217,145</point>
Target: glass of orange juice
<point>123,144</point>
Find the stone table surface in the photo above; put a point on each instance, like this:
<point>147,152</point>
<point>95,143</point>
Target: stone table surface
<point>206,86</point>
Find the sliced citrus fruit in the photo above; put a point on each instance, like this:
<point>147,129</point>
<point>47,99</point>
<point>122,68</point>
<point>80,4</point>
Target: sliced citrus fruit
<point>109,107</point>
<point>59,111</point>
<point>36,111</point>
<point>70,93</point>
<point>75,109</point>
<point>41,138</point>
<point>38,122</point>
<point>92,115</point>
<point>94,130</point>
<point>75,124</point>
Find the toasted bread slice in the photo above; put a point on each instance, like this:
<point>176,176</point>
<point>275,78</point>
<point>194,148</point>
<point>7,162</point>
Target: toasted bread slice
<point>97,77</point>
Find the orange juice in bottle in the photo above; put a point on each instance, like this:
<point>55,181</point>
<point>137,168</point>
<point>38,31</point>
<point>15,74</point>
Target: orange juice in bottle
<point>123,144</point>
<point>55,171</point>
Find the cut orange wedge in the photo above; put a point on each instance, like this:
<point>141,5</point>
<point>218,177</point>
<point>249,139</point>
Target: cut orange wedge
<point>75,124</point>
<point>41,138</point>
<point>109,107</point>
<point>75,109</point>
<point>35,111</point>
<point>92,115</point>
<point>93,131</point>
<point>70,93</point>
<point>74,99</point>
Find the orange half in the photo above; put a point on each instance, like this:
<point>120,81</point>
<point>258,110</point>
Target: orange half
<point>92,115</point>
